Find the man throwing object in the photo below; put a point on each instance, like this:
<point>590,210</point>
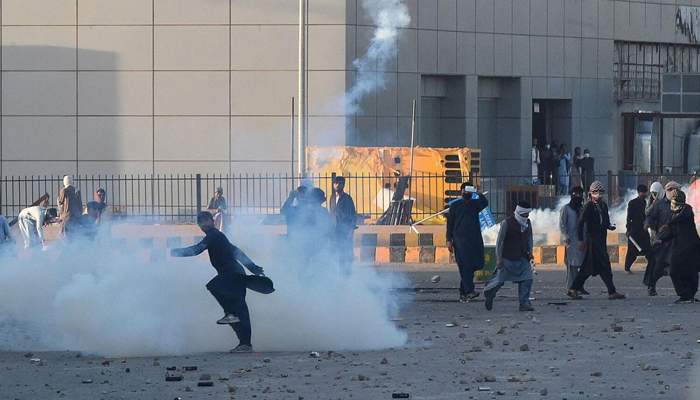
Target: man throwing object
<point>229,286</point>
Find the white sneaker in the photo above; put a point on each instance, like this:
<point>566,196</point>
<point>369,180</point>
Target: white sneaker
<point>228,319</point>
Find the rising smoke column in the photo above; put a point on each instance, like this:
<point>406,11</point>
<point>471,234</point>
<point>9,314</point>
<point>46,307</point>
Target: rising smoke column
<point>389,16</point>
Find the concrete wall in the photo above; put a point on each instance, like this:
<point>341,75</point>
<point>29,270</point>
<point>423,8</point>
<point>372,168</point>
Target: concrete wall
<point>205,86</point>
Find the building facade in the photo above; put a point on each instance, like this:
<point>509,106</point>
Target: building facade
<point>206,86</point>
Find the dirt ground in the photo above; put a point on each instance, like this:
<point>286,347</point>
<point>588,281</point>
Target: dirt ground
<point>638,348</point>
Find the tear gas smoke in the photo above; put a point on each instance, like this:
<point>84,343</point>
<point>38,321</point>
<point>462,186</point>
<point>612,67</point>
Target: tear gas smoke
<point>389,16</point>
<point>89,301</point>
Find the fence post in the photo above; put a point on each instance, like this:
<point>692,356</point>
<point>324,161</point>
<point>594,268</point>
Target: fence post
<point>610,188</point>
<point>199,193</point>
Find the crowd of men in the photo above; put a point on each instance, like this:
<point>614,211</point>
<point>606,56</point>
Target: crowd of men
<point>660,228</point>
<point>75,221</point>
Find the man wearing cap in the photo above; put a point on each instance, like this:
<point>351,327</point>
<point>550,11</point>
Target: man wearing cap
<point>659,215</point>
<point>344,218</point>
<point>514,252</point>
<point>595,220</point>
<point>464,237</point>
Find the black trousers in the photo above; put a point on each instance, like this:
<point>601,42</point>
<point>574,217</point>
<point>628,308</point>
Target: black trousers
<point>633,253</point>
<point>654,272</point>
<point>605,274</point>
<point>686,285</point>
<point>230,290</point>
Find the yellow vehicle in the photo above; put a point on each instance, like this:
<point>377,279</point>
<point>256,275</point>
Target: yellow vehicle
<point>374,171</point>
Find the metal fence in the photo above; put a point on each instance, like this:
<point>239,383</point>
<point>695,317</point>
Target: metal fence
<point>178,198</point>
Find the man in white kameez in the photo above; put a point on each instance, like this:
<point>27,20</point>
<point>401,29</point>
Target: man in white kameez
<point>31,223</point>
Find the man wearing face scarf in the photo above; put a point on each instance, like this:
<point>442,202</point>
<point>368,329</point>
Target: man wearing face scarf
<point>658,215</point>
<point>568,220</point>
<point>514,252</point>
<point>685,256</point>
<point>464,237</point>
<point>596,222</point>
<point>636,234</point>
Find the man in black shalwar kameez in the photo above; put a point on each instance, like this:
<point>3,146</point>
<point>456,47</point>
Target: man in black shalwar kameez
<point>464,237</point>
<point>635,229</point>
<point>229,286</point>
<point>596,220</point>
<point>659,215</point>
<point>685,256</point>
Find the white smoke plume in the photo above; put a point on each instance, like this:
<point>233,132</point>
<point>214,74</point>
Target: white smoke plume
<point>389,16</point>
<point>90,301</point>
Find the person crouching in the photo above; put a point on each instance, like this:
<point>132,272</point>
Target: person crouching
<point>514,252</point>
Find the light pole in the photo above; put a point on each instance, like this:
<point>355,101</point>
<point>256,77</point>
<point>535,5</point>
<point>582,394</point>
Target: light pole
<point>301,142</point>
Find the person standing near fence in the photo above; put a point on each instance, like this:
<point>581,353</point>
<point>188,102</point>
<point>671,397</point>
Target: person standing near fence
<point>31,222</point>
<point>514,252</point>
<point>70,208</point>
<point>568,220</point>
<point>464,237</point>
<point>564,170</point>
<point>218,207</point>
<point>344,219</point>
<point>685,256</point>
<point>636,234</point>
<point>595,221</point>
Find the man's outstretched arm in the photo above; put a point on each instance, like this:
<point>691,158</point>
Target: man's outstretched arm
<point>191,251</point>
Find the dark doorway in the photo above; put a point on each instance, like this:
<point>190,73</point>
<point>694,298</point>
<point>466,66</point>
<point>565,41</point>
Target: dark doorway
<point>539,123</point>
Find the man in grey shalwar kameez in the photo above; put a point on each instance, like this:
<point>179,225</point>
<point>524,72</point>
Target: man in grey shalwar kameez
<point>514,252</point>
<point>568,218</point>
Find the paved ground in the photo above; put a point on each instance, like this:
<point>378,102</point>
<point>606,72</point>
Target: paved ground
<point>564,350</point>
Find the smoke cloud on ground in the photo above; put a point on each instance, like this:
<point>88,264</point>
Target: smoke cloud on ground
<point>389,16</point>
<point>90,301</point>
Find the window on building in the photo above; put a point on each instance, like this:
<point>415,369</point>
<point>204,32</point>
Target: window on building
<point>638,67</point>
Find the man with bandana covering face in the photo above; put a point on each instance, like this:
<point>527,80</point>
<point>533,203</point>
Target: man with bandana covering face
<point>596,222</point>
<point>464,237</point>
<point>685,256</point>
<point>659,215</point>
<point>568,219</point>
<point>514,252</point>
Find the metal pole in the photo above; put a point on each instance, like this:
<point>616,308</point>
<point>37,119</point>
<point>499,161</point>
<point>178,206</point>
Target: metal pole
<point>301,153</point>
<point>292,159</point>
<point>413,136</point>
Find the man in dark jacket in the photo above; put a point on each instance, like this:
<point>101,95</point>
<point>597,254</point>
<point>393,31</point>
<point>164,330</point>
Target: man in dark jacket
<point>636,234</point>
<point>344,218</point>
<point>685,256</point>
<point>596,221</point>
<point>587,164</point>
<point>464,237</point>
<point>229,286</point>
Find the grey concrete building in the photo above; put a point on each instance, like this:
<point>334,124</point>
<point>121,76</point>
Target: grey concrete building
<point>205,86</point>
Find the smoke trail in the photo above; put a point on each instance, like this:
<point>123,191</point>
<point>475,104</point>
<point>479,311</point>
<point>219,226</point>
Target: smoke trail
<point>389,16</point>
